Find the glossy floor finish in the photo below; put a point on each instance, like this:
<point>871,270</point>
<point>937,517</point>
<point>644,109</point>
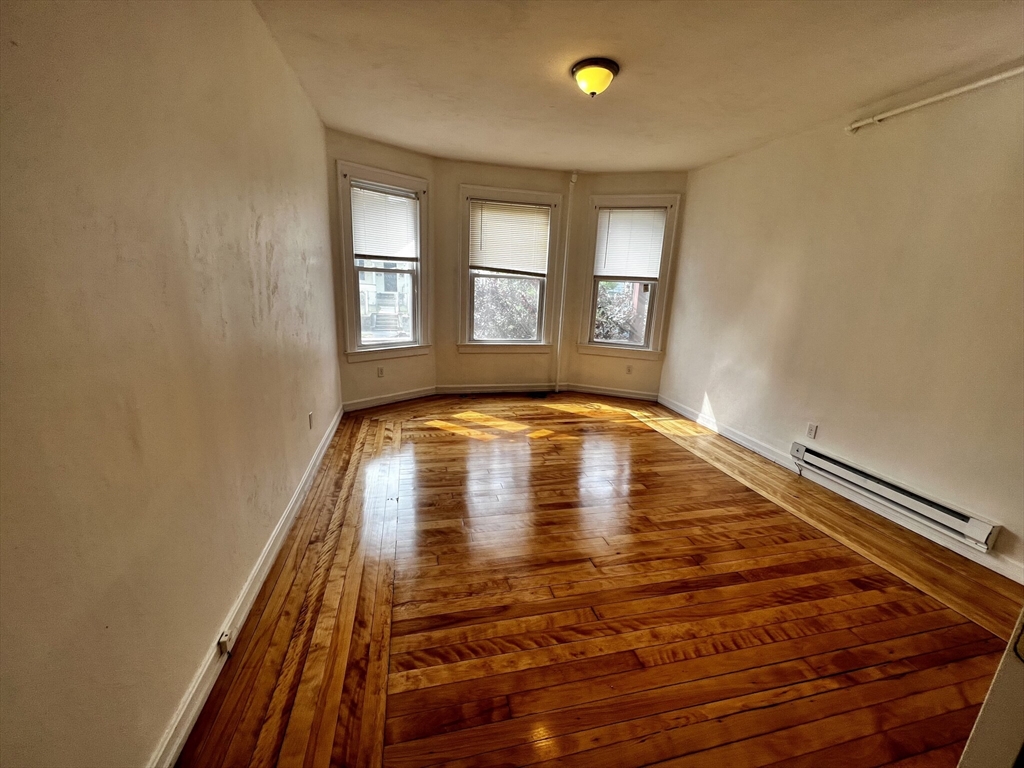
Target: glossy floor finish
<point>576,580</point>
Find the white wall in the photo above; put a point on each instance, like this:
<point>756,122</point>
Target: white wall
<point>167,323</point>
<point>873,284</point>
<point>446,367</point>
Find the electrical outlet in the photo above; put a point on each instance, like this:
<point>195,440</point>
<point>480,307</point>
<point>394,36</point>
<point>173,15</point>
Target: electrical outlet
<point>380,371</point>
<point>310,419</point>
<point>629,370</point>
<point>226,642</point>
<point>812,430</point>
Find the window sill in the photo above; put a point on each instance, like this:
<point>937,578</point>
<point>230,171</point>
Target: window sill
<point>610,351</point>
<point>485,348</point>
<point>386,353</point>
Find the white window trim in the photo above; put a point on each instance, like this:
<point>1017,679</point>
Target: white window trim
<point>493,347</point>
<point>354,350</point>
<point>619,350</point>
<point>552,281</point>
<point>388,353</point>
<point>657,320</point>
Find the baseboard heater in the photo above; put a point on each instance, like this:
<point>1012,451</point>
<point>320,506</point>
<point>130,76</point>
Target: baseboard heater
<point>979,534</point>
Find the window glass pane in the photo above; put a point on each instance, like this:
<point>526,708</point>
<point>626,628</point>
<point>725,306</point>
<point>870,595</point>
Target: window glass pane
<point>506,308</point>
<point>629,242</point>
<point>622,309</point>
<point>384,225</point>
<point>385,307</point>
<point>509,236</point>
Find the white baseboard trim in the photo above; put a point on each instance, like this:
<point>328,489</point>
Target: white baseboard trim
<point>629,394</point>
<point>490,389</point>
<point>991,560</point>
<point>781,458</point>
<point>199,688</point>
<point>394,397</point>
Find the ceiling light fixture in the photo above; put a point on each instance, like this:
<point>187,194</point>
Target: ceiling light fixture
<point>593,76</point>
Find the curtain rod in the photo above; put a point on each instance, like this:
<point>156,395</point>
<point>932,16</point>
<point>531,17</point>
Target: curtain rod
<point>856,126</point>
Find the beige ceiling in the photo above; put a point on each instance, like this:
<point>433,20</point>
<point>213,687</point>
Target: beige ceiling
<point>488,80</point>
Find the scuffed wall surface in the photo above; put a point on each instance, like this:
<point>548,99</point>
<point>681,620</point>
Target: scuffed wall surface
<point>167,324</point>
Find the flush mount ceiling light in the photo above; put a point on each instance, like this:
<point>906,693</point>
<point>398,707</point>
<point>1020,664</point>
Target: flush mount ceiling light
<point>594,75</point>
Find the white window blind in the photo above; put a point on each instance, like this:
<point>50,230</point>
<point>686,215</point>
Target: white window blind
<point>509,237</point>
<point>384,225</point>
<point>629,242</point>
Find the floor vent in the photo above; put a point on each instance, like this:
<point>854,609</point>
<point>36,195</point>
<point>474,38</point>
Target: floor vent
<point>895,503</point>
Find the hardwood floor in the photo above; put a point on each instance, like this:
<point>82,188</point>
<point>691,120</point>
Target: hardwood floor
<point>578,580</point>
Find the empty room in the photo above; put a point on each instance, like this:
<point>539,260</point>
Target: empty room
<point>511,383</point>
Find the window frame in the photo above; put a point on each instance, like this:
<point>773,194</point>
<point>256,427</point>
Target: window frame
<point>355,349</point>
<point>657,309</point>
<point>474,274</point>
<point>549,282</point>
<point>651,305</point>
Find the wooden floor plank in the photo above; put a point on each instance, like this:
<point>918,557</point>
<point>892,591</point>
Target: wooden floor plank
<point>849,725</point>
<point>371,739</point>
<point>987,598</point>
<point>912,739</point>
<point>324,721</point>
<point>345,745</point>
<point>944,757</point>
<point>295,669</point>
<point>218,719</point>
<point>887,603</point>
<point>578,580</point>
<point>316,662</point>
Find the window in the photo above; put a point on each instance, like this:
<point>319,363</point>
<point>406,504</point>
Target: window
<point>386,259</point>
<point>508,264</point>
<point>627,267</point>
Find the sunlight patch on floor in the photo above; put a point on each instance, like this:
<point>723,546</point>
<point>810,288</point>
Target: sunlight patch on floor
<point>483,420</point>
<point>457,429</point>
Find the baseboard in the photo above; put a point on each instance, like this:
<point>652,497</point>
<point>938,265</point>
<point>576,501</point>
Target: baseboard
<point>199,689</point>
<point>394,397</point>
<point>781,458</point>
<point>629,394</point>
<point>491,389</point>
<point>992,561</point>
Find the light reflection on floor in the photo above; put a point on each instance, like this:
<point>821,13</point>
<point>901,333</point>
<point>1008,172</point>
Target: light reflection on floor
<point>499,455</point>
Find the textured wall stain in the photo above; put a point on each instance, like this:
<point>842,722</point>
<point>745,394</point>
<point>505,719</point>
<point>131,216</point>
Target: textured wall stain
<point>150,439</point>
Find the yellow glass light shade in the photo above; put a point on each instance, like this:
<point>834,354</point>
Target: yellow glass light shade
<point>593,76</point>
